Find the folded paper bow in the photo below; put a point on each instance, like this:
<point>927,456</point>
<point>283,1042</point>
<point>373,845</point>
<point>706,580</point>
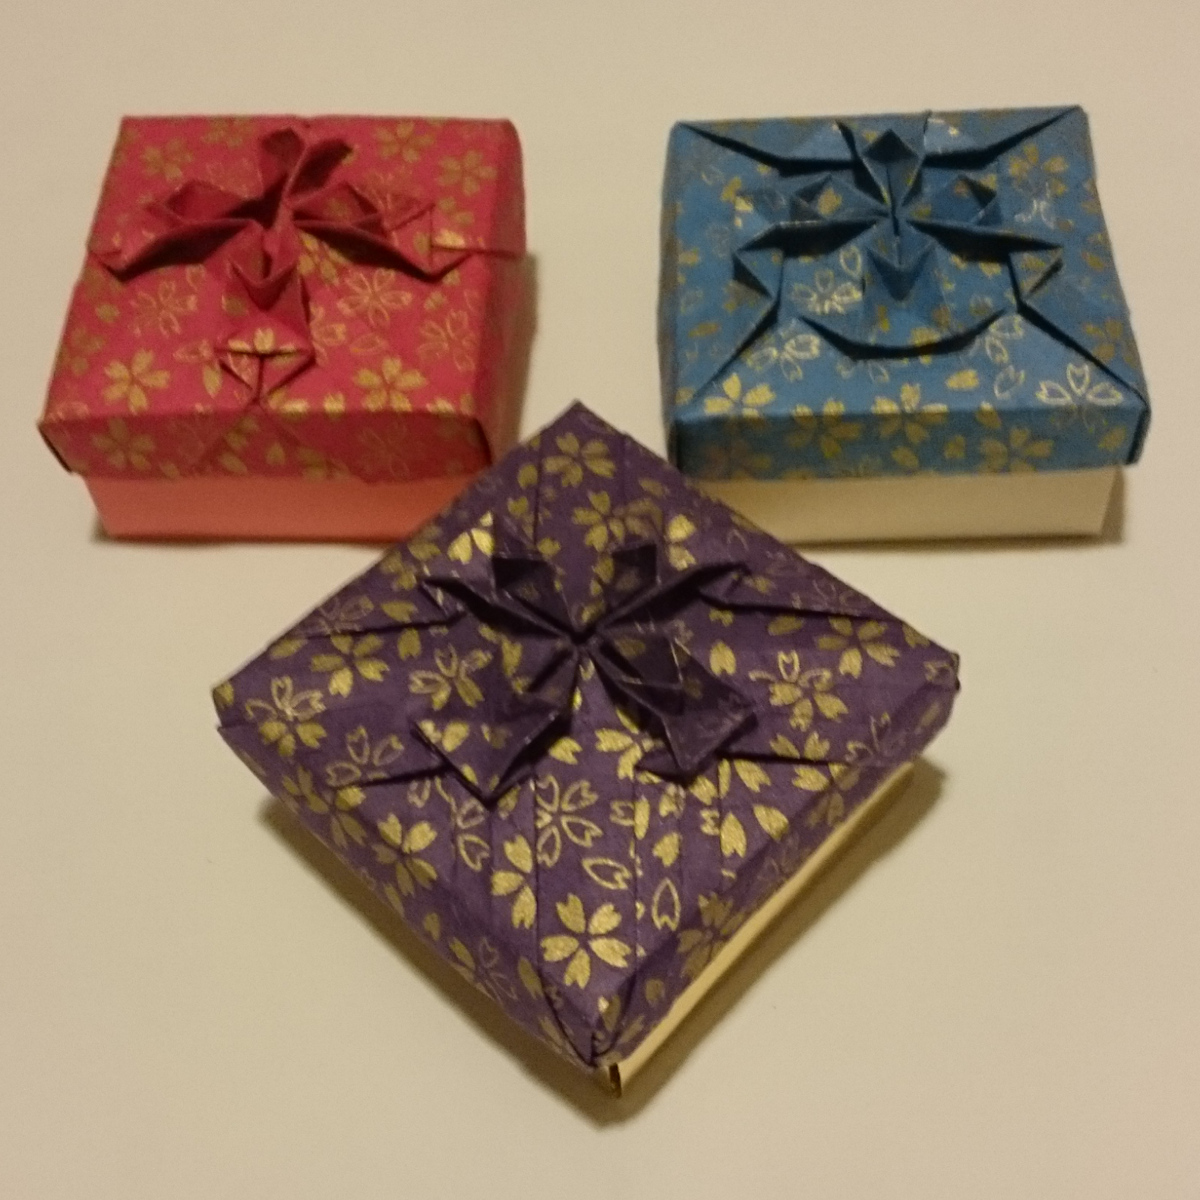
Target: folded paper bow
<point>303,190</point>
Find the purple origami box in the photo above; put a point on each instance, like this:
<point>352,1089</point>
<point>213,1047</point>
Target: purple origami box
<point>585,730</point>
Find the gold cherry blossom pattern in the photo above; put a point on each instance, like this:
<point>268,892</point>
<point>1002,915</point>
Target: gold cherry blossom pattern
<point>558,815</point>
<point>455,337</point>
<point>514,882</point>
<point>804,691</point>
<point>699,946</point>
<point>468,172</point>
<point>288,717</point>
<point>344,826</point>
<point>734,398</point>
<point>789,357</point>
<point>586,936</point>
<point>855,640</point>
<point>76,350</point>
<point>453,675</point>
<point>575,459</point>
<point>229,131</point>
<point>910,417</point>
<point>1021,452</point>
<point>602,524</point>
<point>1080,388</point>
<point>133,380</point>
<point>630,743</point>
<point>388,387</point>
<point>737,459</point>
<point>826,294</point>
<point>354,657</point>
<point>167,160</point>
<point>162,309</point>
<point>122,448</point>
<point>831,430</point>
<point>365,761</point>
<point>466,815</point>
<point>404,138</point>
<point>374,296</point>
<point>402,848</point>
<point>482,969</point>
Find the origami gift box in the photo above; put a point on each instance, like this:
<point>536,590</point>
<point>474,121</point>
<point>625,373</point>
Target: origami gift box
<point>586,732</point>
<point>293,328</point>
<point>896,326</point>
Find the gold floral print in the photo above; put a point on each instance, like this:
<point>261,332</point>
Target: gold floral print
<point>374,296</point>
<point>365,761</point>
<point>801,689</point>
<point>453,674</point>
<point>1020,452</point>
<point>288,717</point>
<point>831,429</point>
<point>76,350</point>
<point>229,131</point>
<point>735,398</point>
<point>910,417</point>
<point>344,826</point>
<point>602,524</point>
<point>790,357</point>
<point>122,448</point>
<point>131,381</point>
<point>630,743</point>
<point>402,847</point>
<point>456,337</point>
<point>515,882</point>
<point>466,172</point>
<point>557,814</point>
<point>318,257</point>
<point>388,387</point>
<point>466,815</point>
<point>167,160</point>
<point>1080,388</point>
<point>354,657</point>
<point>699,946</point>
<point>163,309</point>
<point>856,640</point>
<point>586,936</point>
<point>573,460</point>
<point>735,460</point>
<point>403,139</point>
<point>826,293</point>
<point>482,969</point>
<point>1110,339</point>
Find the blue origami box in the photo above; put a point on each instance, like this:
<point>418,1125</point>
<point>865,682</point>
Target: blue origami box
<point>893,296</point>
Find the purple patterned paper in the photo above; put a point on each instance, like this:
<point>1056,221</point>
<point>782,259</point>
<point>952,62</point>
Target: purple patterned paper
<point>579,728</point>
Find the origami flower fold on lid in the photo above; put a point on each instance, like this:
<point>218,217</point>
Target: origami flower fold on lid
<point>825,276</point>
<point>322,298</point>
<point>582,725</point>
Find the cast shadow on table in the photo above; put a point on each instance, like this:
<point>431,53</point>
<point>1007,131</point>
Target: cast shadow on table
<point>897,816</point>
<point>524,333</point>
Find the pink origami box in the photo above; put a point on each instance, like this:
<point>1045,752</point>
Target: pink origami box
<point>293,328</point>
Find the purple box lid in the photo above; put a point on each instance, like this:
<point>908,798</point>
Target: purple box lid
<point>580,727</point>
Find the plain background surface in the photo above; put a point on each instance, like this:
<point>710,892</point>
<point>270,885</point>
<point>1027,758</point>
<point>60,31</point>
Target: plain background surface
<point>999,997</point>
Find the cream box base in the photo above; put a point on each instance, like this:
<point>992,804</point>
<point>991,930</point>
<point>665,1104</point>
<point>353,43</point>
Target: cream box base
<point>901,508</point>
<point>615,1076</point>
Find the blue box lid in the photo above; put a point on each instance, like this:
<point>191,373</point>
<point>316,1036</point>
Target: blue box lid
<point>892,294</point>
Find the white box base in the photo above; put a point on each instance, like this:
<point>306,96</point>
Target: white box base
<point>894,508</point>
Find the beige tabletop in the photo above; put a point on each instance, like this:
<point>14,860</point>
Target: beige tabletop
<point>996,995</point>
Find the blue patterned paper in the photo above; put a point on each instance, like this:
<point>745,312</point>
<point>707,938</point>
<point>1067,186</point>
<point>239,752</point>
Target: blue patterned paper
<point>890,295</point>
